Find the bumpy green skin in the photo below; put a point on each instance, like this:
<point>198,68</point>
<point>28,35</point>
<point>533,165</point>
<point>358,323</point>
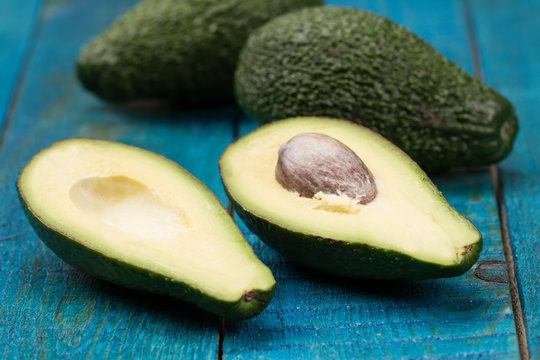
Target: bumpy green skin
<point>354,260</point>
<point>101,266</point>
<point>359,66</point>
<point>181,50</point>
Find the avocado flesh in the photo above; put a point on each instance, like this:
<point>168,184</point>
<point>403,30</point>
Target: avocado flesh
<point>153,225</point>
<point>409,216</point>
<point>178,50</point>
<point>359,66</point>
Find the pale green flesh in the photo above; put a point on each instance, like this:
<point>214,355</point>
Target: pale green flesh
<point>142,209</point>
<point>408,215</point>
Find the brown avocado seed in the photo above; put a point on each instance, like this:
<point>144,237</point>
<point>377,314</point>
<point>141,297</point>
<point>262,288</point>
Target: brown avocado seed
<point>311,162</point>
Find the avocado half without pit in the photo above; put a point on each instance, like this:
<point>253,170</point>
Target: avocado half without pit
<point>335,196</point>
<point>137,219</point>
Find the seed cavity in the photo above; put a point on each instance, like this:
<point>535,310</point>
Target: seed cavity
<point>311,163</point>
<point>129,206</point>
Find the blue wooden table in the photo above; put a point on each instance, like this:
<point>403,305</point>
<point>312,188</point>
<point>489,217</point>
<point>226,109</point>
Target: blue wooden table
<point>50,310</point>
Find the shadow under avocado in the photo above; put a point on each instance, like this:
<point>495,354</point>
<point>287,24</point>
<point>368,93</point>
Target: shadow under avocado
<point>405,290</point>
<point>155,308</point>
<point>158,110</point>
<point>154,121</point>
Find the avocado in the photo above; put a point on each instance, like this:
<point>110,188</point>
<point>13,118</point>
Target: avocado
<point>134,218</point>
<point>359,66</point>
<point>176,50</point>
<point>336,196</point>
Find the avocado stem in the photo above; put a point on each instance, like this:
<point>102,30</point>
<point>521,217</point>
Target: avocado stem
<point>250,295</point>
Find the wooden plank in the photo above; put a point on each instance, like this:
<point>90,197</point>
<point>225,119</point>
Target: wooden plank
<point>315,316</point>
<point>47,308</point>
<point>510,48</point>
<point>18,19</point>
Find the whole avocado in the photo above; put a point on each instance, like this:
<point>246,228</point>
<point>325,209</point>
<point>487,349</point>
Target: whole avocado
<point>360,66</point>
<point>181,50</point>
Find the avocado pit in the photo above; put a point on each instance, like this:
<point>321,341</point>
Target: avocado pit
<point>313,163</point>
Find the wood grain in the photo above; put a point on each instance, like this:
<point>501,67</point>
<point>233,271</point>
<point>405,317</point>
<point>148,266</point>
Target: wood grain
<point>317,316</point>
<point>510,48</point>
<point>18,19</point>
<point>47,308</point>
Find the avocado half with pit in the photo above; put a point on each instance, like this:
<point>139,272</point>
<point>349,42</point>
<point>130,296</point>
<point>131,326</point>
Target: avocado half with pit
<point>336,196</point>
<point>137,219</point>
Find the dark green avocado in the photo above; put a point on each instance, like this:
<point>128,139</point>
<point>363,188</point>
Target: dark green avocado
<point>136,219</point>
<point>178,50</point>
<point>389,223</point>
<point>362,67</point>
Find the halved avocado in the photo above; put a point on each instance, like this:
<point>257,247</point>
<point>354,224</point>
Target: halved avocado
<point>137,219</point>
<point>400,227</point>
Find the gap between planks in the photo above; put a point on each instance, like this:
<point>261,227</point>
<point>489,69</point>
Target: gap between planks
<point>21,74</point>
<point>221,336</point>
<point>495,179</point>
<point>221,333</point>
<point>514,293</point>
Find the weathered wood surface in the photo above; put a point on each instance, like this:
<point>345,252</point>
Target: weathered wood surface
<point>18,20</point>
<point>509,42</point>
<point>50,310</point>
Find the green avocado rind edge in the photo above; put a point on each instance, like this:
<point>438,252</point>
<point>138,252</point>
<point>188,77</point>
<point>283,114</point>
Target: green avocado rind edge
<point>355,260</point>
<point>124,274</point>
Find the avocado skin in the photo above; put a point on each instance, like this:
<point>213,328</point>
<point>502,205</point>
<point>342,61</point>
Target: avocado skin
<point>353,260</point>
<point>359,66</point>
<point>181,50</point>
<point>106,268</point>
